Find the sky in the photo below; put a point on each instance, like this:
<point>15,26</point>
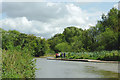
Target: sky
<point>45,19</point>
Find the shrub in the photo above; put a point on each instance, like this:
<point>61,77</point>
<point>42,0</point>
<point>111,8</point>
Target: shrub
<point>102,55</point>
<point>17,64</point>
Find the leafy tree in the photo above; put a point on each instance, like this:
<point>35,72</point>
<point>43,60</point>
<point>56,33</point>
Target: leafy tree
<point>70,32</point>
<point>108,40</point>
<point>110,20</point>
<point>58,38</point>
<point>63,47</point>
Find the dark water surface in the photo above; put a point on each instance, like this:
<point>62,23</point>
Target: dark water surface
<point>71,69</point>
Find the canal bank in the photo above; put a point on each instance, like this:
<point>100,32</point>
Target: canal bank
<point>84,60</point>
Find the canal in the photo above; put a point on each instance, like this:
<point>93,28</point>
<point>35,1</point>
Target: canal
<point>72,69</point>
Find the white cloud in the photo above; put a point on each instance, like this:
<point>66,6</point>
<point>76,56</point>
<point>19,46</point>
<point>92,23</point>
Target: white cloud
<point>66,15</point>
<point>50,4</point>
<point>22,24</point>
<point>117,5</point>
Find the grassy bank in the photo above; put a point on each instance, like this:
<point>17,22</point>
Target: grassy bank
<point>0,63</point>
<point>102,55</point>
<point>17,64</point>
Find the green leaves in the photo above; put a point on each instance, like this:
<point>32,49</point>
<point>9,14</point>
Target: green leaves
<point>17,64</point>
<point>13,39</point>
<point>108,39</point>
<point>101,55</point>
<point>63,47</point>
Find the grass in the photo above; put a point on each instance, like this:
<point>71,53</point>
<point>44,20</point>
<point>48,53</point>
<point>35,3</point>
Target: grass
<point>102,55</point>
<point>46,55</point>
<point>0,63</point>
<point>17,64</point>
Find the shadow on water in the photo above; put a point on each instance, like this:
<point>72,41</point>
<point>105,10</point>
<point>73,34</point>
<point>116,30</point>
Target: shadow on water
<point>103,73</point>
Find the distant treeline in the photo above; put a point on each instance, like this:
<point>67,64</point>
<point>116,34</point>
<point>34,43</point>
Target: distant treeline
<point>13,39</point>
<point>103,36</point>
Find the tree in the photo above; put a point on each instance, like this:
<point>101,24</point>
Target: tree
<point>108,40</point>
<point>63,47</point>
<point>70,32</point>
<point>110,20</point>
<point>58,38</point>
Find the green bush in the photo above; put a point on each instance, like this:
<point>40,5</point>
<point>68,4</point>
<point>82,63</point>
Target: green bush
<point>102,55</point>
<point>17,64</point>
<point>0,62</point>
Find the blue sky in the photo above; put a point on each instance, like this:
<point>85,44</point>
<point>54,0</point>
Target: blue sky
<point>103,6</point>
<point>45,19</point>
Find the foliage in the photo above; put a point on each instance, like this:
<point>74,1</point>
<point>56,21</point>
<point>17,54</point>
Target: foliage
<point>101,55</point>
<point>13,38</point>
<point>17,64</point>
<point>64,46</point>
<point>0,63</point>
<point>108,39</point>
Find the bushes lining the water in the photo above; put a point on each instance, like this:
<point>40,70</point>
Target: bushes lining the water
<point>102,55</point>
<point>0,63</point>
<point>17,64</point>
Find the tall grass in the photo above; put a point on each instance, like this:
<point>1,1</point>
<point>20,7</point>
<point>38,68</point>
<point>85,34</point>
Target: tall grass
<point>17,64</point>
<point>102,55</point>
<point>0,63</point>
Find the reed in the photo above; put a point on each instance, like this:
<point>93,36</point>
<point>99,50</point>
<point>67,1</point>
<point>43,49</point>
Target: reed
<point>102,55</point>
<point>17,64</point>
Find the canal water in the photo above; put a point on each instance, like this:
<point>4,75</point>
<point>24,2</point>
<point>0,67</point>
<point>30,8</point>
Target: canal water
<point>72,69</point>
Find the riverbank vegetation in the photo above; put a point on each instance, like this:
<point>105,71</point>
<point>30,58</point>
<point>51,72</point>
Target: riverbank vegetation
<point>97,42</point>
<point>13,39</point>
<point>101,55</point>
<point>17,64</point>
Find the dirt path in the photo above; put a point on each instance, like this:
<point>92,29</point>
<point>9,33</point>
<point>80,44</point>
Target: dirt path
<point>84,60</point>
